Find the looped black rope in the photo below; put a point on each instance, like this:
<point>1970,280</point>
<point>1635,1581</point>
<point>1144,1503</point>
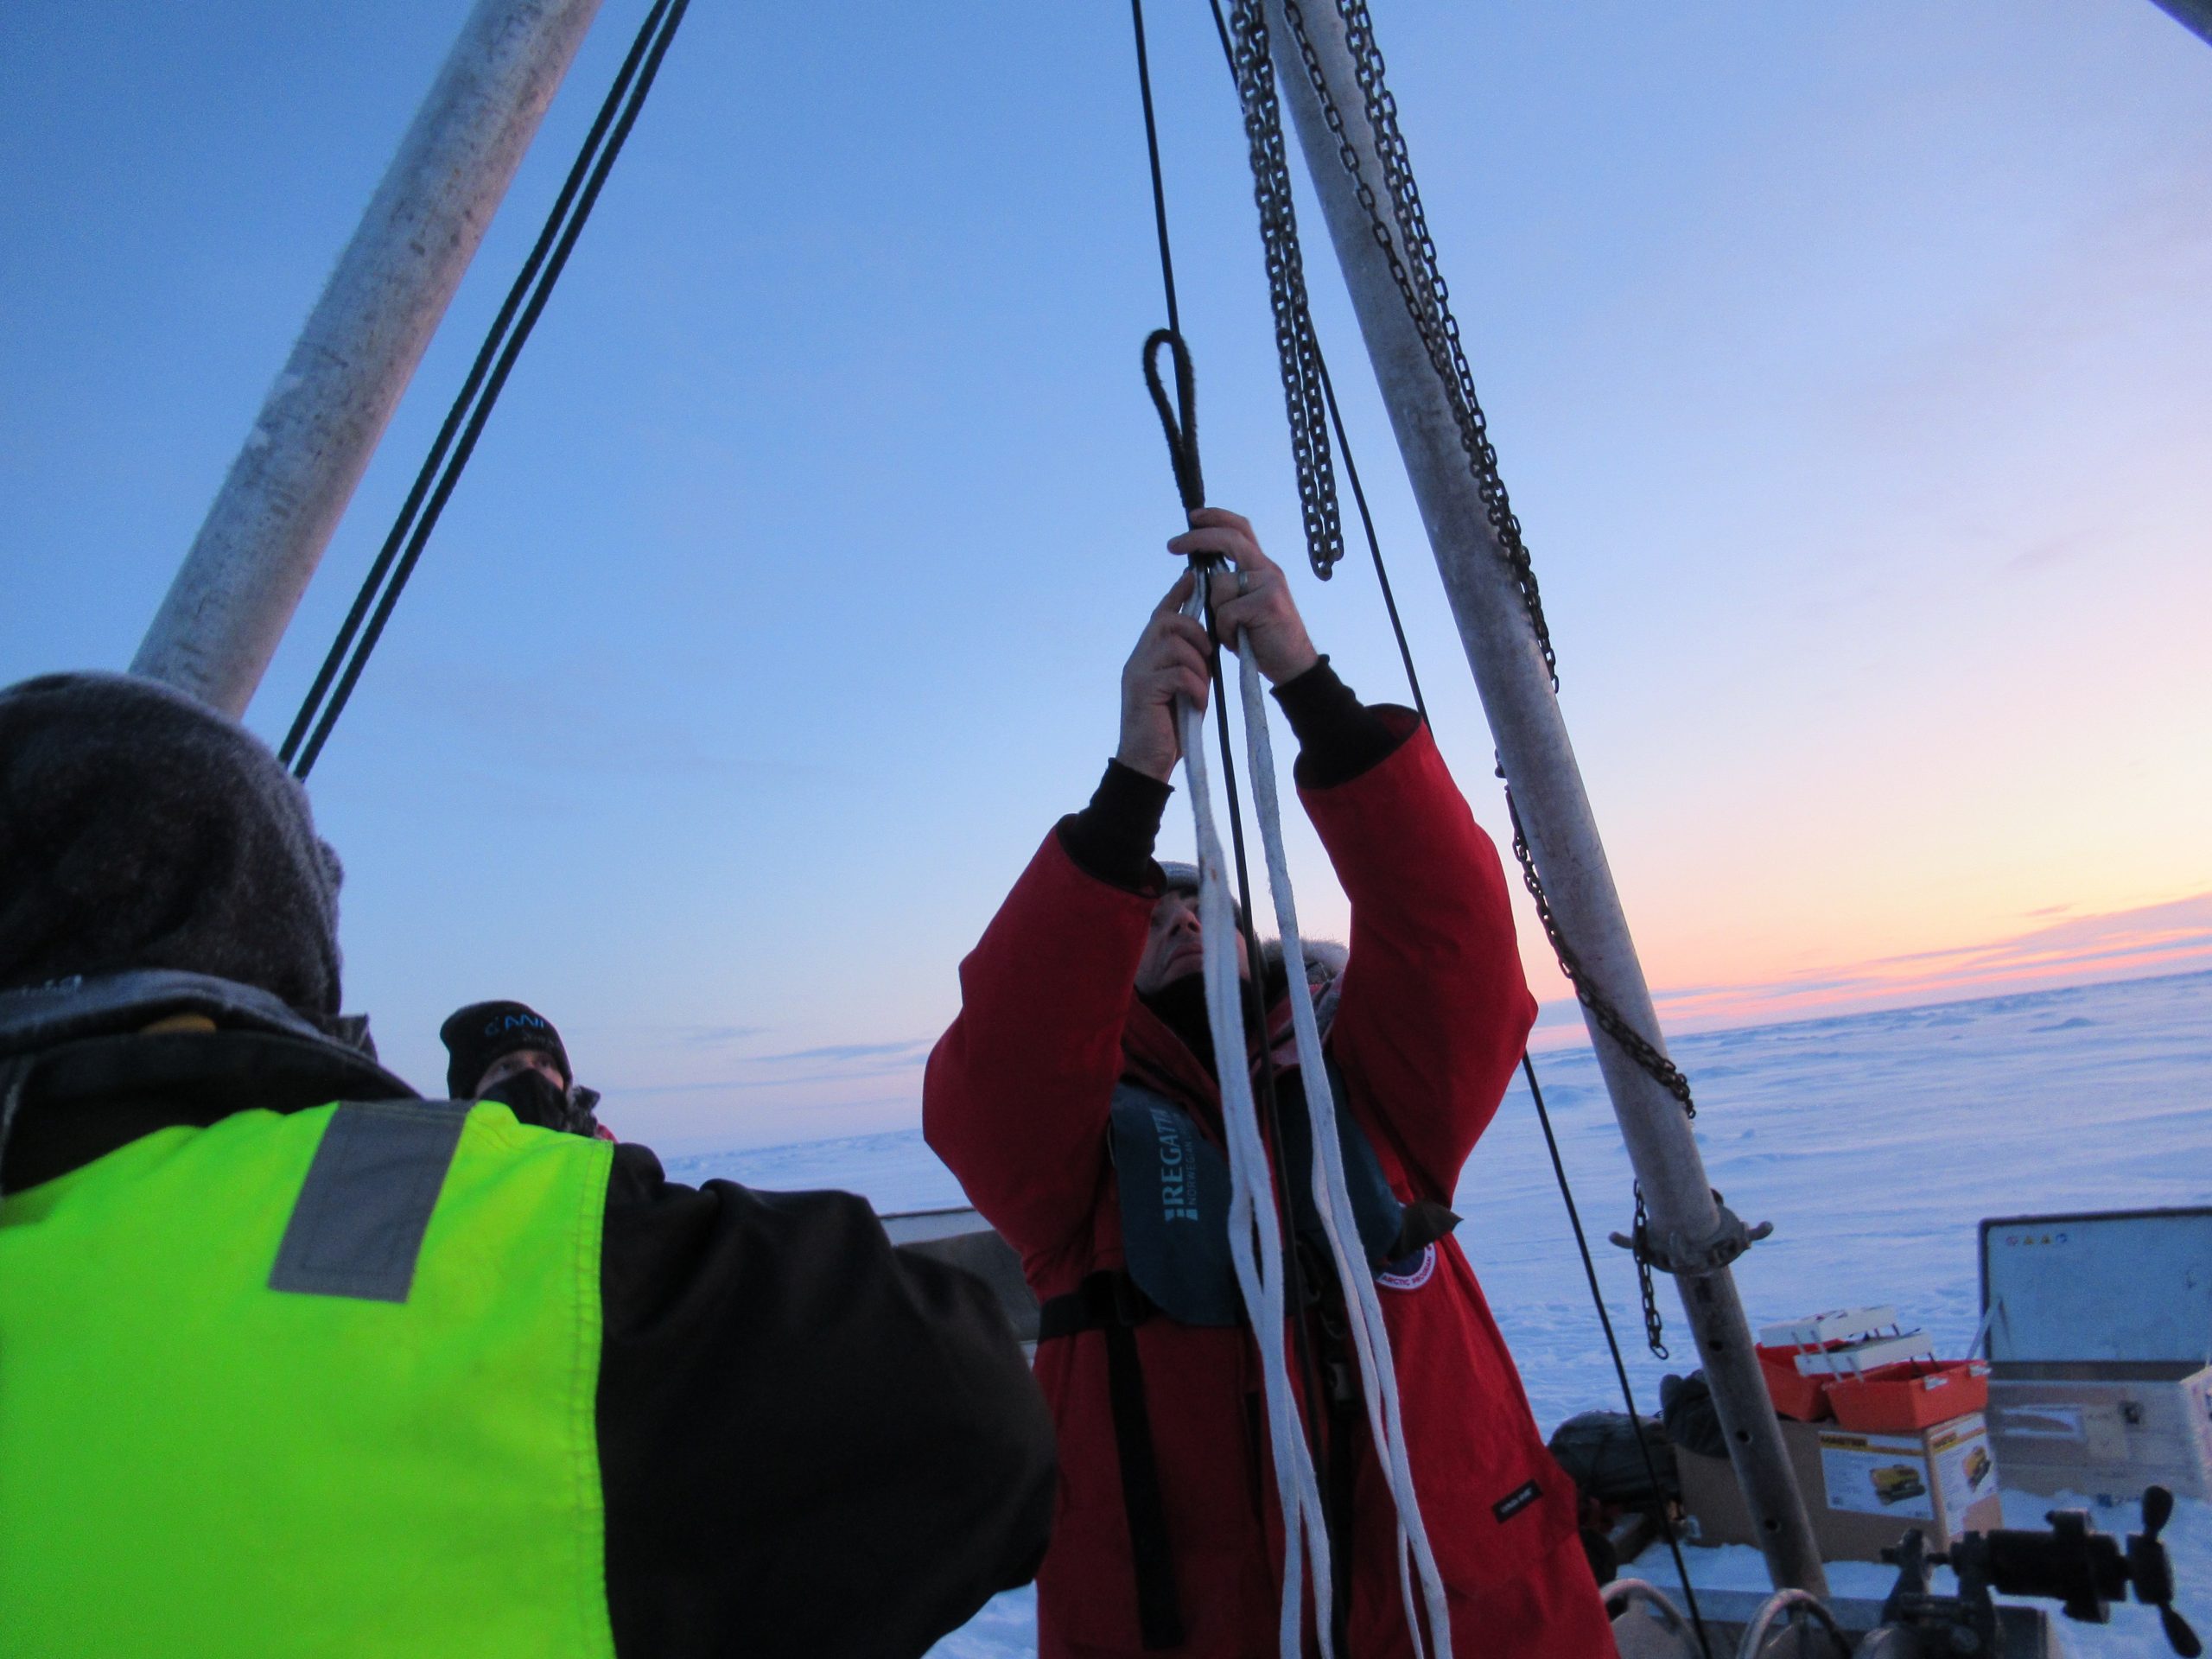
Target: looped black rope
<point>495,360</point>
<point>1179,420</point>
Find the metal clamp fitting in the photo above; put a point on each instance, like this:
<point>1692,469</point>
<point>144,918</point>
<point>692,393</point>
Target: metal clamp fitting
<point>1729,1239</point>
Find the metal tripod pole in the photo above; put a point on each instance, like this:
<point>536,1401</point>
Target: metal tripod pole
<point>1694,1234</point>
<point>266,532</point>
<point>2194,16</point>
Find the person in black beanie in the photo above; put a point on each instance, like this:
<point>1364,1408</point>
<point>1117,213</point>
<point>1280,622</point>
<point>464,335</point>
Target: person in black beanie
<point>292,1359</point>
<point>510,1052</point>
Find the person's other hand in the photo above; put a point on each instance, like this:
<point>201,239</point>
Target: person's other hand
<point>1169,661</point>
<point>1254,596</point>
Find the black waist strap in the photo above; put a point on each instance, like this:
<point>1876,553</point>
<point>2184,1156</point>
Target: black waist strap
<point>1110,1302</point>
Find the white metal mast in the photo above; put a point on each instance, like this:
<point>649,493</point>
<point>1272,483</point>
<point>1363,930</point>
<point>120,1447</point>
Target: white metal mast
<point>2194,16</point>
<point>1686,1222</point>
<point>322,420</point>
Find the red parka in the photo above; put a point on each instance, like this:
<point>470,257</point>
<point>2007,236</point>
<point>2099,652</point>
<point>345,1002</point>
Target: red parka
<point>1434,1014</point>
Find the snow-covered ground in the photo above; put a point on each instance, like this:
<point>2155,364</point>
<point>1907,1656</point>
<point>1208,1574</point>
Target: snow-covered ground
<point>1874,1142</point>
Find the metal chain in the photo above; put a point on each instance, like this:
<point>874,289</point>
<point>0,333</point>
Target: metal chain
<point>1654,1328</point>
<point>1609,1019</point>
<point>1304,393</point>
<point>1421,283</point>
<point>1410,249</point>
<point>1632,1042</point>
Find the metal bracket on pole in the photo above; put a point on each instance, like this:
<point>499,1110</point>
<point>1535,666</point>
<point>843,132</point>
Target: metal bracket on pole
<point>1717,1249</point>
<point>265,535</point>
<point>1532,743</point>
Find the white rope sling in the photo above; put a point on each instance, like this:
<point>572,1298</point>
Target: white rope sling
<point>1255,1229</point>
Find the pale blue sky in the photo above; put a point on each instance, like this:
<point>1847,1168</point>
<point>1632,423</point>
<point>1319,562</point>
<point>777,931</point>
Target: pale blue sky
<point>1851,368</point>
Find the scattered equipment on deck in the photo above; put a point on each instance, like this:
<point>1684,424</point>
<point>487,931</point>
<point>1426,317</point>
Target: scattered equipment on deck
<point>1861,1367</point>
<point>2070,1563</point>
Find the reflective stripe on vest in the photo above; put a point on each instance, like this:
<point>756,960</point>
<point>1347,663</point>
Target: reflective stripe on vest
<point>320,1383</point>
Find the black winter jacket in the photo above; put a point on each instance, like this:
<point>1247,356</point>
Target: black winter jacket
<point>811,1443</point>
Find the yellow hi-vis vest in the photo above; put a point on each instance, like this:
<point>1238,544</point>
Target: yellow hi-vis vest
<point>318,1383</point>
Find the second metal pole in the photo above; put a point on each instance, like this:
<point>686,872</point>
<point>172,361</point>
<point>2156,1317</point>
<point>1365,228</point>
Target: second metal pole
<point>308,447</point>
<point>1687,1225</point>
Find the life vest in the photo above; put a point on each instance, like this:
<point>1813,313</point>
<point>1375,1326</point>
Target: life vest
<point>1174,1201</point>
<point>1174,1195</point>
<point>323,1381</point>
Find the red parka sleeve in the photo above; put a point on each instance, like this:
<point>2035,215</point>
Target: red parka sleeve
<point>1435,1009</point>
<point>1016,1096</point>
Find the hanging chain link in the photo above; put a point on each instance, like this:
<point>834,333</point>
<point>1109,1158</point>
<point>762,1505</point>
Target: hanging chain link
<point>1610,1020</point>
<point>1304,397</point>
<point>1410,249</point>
<point>1632,1043</point>
<point>1654,1328</point>
<point>1420,278</point>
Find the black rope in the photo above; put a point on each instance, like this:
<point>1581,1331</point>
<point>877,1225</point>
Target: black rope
<point>1620,1366</point>
<point>1178,421</point>
<point>464,422</point>
<point>1159,214</point>
<point>1179,426</point>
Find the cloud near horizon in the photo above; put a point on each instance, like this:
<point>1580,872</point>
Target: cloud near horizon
<point>2171,936</point>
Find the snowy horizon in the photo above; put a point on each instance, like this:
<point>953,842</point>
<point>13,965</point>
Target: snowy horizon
<point>1875,1142</point>
<point>1559,1034</point>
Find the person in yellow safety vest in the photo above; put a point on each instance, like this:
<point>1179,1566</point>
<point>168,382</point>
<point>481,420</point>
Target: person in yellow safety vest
<point>292,1361</point>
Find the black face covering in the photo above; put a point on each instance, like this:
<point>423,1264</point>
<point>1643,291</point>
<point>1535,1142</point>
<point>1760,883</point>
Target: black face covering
<point>1181,1005</point>
<point>536,1098</point>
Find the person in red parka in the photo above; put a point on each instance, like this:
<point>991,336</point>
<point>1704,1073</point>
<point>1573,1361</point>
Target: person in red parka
<point>1075,1097</point>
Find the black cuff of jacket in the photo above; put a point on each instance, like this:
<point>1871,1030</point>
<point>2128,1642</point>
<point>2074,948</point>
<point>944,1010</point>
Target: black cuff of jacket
<point>1112,838</point>
<point>1338,736</point>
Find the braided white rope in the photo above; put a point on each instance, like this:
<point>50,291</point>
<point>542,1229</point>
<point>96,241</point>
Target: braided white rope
<point>1255,1232</point>
<point>1371,1336</point>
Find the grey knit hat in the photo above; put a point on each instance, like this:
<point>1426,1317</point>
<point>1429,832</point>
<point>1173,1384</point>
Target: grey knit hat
<point>1184,878</point>
<point>140,830</point>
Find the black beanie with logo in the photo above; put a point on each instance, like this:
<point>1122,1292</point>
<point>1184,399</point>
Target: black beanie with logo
<point>483,1032</point>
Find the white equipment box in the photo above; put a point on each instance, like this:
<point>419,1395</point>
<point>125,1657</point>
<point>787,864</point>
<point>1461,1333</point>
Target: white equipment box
<point>2101,1351</point>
